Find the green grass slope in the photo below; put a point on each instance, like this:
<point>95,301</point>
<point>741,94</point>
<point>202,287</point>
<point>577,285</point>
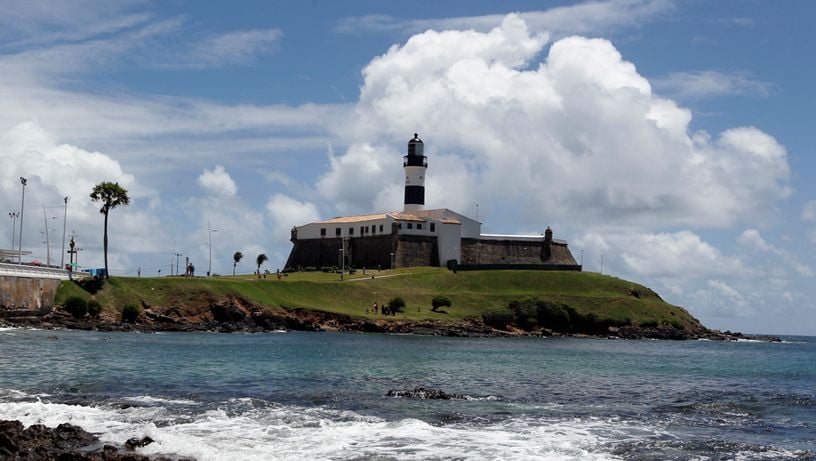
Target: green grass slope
<point>472,293</point>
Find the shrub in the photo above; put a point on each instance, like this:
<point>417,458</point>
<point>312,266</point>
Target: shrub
<point>440,301</point>
<point>557,317</point>
<point>130,313</point>
<point>76,306</point>
<point>497,319</point>
<point>649,324</point>
<point>524,313</point>
<point>94,308</point>
<point>396,304</point>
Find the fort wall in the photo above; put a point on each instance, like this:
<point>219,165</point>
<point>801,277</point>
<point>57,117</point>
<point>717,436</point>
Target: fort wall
<point>417,250</point>
<point>17,293</point>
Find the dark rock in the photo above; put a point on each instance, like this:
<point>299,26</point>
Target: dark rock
<point>423,393</point>
<point>135,442</point>
<point>66,442</point>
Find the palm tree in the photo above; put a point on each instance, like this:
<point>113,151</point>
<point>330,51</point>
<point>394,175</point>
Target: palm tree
<point>260,260</point>
<point>236,258</point>
<point>111,194</point>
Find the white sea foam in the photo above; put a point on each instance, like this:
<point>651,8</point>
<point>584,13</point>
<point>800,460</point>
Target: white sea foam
<point>287,432</point>
<point>149,400</point>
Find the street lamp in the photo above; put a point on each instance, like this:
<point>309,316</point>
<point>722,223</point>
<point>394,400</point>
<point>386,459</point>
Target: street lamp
<point>582,257</point>
<point>64,221</point>
<point>13,215</point>
<point>392,260</point>
<point>23,181</point>
<point>210,230</point>
<point>47,239</point>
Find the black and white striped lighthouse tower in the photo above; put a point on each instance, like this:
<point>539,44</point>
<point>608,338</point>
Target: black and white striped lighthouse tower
<point>415,164</point>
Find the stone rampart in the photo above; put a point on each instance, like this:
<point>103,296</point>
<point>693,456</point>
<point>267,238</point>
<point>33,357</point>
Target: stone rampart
<point>478,252</point>
<point>17,293</point>
<point>417,250</point>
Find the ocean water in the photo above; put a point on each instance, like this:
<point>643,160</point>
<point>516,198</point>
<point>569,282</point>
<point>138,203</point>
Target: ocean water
<point>322,395</point>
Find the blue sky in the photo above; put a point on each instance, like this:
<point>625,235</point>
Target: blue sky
<point>670,137</point>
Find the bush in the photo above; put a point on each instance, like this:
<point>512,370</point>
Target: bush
<point>440,301</point>
<point>130,313</point>
<point>94,308</point>
<point>525,313</point>
<point>497,319</point>
<point>76,306</point>
<point>649,324</point>
<point>396,305</point>
<point>554,316</point>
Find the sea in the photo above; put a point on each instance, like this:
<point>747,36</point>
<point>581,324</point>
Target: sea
<point>299,395</point>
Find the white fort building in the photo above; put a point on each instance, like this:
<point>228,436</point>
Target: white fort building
<point>419,237</point>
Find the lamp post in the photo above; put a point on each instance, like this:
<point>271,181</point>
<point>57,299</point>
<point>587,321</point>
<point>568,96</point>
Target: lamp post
<point>602,261</point>
<point>13,215</point>
<point>582,257</point>
<point>178,257</point>
<point>392,260</point>
<point>64,221</point>
<point>47,239</point>
<point>210,230</point>
<point>23,181</point>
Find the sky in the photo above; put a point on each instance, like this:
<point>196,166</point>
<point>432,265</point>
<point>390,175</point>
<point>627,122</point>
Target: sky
<point>666,141</point>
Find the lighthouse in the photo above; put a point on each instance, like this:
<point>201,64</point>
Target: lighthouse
<point>415,164</point>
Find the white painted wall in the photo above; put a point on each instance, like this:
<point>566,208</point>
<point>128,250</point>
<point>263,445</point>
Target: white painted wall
<point>312,230</point>
<point>449,242</point>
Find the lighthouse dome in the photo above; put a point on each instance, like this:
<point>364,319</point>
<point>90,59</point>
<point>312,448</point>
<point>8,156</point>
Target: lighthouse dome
<point>416,146</point>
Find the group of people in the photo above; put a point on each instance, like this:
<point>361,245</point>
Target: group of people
<point>385,309</point>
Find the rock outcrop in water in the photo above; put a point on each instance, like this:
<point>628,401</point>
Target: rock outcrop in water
<point>65,442</point>
<point>424,394</point>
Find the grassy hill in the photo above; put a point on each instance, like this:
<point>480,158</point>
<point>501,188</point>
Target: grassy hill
<point>473,294</point>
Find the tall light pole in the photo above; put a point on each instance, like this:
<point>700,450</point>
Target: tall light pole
<point>210,230</point>
<point>178,256</point>
<point>47,239</point>
<point>64,221</point>
<point>582,257</point>
<point>602,258</point>
<point>14,215</point>
<point>23,181</point>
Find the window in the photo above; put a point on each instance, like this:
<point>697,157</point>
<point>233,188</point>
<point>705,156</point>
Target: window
<point>419,226</point>
<point>373,230</point>
<point>362,230</point>
<point>351,231</point>
<point>410,225</point>
<point>322,231</point>
<point>433,227</point>
<point>337,232</point>
<point>381,228</point>
<point>399,226</point>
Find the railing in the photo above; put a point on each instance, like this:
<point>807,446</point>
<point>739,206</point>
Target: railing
<point>22,270</point>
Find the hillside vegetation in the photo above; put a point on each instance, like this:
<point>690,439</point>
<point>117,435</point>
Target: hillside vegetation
<point>476,294</point>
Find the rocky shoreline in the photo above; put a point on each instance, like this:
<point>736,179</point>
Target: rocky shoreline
<point>67,442</point>
<point>235,314</point>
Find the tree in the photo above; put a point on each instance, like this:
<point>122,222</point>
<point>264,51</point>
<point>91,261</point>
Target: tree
<point>260,260</point>
<point>440,301</point>
<point>111,194</point>
<point>396,304</point>
<point>236,258</point>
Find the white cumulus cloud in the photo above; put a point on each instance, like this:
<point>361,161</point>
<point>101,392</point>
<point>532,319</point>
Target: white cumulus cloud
<point>218,182</point>
<point>577,136</point>
<point>286,212</point>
